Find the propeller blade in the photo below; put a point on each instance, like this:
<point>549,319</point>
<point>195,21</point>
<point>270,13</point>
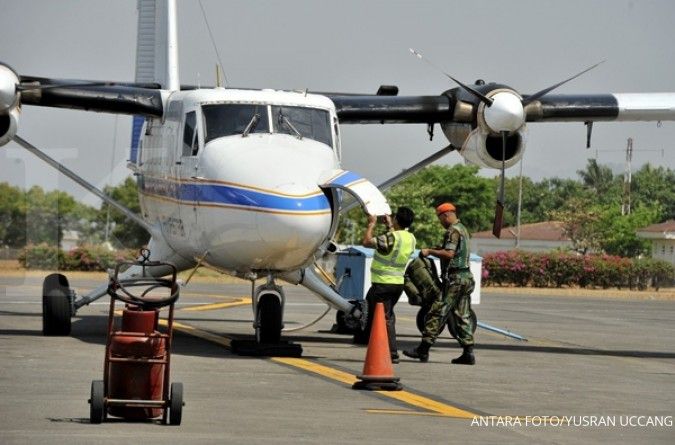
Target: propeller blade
<point>486,100</point>
<point>545,91</point>
<point>499,219</point>
<point>499,209</point>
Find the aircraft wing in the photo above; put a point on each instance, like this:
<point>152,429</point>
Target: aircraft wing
<point>603,107</point>
<point>112,97</point>
<point>453,107</point>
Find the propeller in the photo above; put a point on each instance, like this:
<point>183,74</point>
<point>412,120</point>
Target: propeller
<point>499,207</point>
<point>545,91</point>
<point>486,100</point>
<point>504,113</point>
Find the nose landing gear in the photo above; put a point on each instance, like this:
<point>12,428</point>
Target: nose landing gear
<point>268,309</point>
<point>268,301</point>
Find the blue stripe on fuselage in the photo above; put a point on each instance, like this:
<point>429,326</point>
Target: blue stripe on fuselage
<point>228,195</point>
<point>346,178</point>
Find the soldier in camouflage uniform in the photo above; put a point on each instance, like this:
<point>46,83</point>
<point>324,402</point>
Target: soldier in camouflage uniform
<point>458,283</point>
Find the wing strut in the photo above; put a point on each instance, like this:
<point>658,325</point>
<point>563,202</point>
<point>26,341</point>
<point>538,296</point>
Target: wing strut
<point>72,175</point>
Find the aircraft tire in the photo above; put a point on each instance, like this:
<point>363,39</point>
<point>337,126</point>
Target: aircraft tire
<point>56,308</point>
<point>269,318</point>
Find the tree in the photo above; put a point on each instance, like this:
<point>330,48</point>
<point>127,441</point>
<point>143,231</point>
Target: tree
<point>12,216</point>
<point>652,186</point>
<point>422,192</point>
<point>618,232</point>
<point>125,233</point>
<point>36,216</point>
<point>580,217</point>
<point>601,181</point>
<point>539,198</point>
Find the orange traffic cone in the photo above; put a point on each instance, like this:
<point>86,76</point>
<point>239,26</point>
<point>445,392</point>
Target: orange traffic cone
<point>378,373</point>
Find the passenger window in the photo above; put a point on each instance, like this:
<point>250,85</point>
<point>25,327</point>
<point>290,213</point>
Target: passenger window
<point>190,139</point>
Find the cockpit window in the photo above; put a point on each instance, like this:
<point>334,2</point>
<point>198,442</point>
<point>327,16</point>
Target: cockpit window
<point>234,119</point>
<point>310,123</point>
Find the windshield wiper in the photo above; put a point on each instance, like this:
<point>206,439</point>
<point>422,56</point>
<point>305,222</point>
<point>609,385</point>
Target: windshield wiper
<point>284,119</point>
<point>251,125</point>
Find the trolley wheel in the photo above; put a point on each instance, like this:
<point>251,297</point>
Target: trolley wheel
<point>176,404</point>
<point>96,404</point>
<point>56,308</point>
<point>452,323</point>
<point>269,319</point>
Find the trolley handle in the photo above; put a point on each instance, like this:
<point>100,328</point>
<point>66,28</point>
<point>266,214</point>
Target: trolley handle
<point>121,288</point>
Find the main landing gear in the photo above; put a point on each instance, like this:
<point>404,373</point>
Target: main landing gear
<point>268,309</point>
<point>57,305</point>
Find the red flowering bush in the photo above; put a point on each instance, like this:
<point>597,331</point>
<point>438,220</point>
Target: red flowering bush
<point>557,269</point>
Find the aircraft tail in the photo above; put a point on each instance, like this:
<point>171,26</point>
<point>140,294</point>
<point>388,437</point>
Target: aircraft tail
<point>157,45</point>
<point>156,54</point>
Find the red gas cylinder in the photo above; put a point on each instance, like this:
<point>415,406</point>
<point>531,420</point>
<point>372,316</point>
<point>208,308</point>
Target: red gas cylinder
<point>134,378</point>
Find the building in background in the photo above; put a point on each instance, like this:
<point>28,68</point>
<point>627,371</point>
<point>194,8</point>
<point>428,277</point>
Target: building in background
<point>662,236</point>
<point>537,237</point>
<point>70,240</point>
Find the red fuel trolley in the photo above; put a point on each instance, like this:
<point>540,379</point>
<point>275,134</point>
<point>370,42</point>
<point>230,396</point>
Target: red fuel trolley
<point>136,369</point>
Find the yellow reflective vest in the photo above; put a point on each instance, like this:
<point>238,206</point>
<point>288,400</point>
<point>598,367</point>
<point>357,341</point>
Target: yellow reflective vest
<point>389,268</point>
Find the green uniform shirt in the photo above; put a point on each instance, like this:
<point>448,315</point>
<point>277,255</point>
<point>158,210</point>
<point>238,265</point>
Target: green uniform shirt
<point>456,239</point>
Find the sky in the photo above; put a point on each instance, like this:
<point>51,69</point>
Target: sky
<point>350,46</point>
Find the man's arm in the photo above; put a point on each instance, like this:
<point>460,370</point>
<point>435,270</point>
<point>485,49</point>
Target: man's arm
<point>368,239</point>
<point>447,251</point>
<point>443,254</point>
<point>383,243</point>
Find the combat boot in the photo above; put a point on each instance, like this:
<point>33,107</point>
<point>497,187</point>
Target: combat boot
<point>421,352</point>
<point>467,357</point>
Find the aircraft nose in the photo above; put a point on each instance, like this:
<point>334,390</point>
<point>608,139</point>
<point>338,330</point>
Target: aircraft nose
<point>297,226</point>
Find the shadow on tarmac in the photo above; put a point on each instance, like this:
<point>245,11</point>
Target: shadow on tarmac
<point>575,350</point>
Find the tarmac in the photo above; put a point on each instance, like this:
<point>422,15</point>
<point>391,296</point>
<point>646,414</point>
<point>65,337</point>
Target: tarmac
<point>594,370</point>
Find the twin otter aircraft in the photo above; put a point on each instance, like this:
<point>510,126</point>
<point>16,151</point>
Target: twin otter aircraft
<point>249,182</point>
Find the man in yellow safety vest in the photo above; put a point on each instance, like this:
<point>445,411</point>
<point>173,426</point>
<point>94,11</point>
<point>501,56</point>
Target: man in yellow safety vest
<point>392,252</point>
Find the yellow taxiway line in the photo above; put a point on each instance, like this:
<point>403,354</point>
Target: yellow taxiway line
<point>430,406</point>
<point>199,333</point>
<point>210,307</point>
<point>408,397</point>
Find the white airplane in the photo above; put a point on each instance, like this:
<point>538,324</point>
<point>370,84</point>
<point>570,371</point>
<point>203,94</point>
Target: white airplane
<point>249,182</point>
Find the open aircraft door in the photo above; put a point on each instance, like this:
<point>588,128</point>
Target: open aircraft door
<point>364,191</point>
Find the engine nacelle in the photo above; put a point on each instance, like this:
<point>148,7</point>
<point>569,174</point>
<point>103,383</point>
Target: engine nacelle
<point>9,104</point>
<point>483,148</point>
<point>9,96</point>
<point>477,127</point>
<point>9,124</point>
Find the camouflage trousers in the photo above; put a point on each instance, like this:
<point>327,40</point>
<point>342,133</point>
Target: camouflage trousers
<point>455,301</point>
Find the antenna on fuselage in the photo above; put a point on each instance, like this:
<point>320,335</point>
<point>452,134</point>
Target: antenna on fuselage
<point>215,48</point>
<point>219,77</point>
